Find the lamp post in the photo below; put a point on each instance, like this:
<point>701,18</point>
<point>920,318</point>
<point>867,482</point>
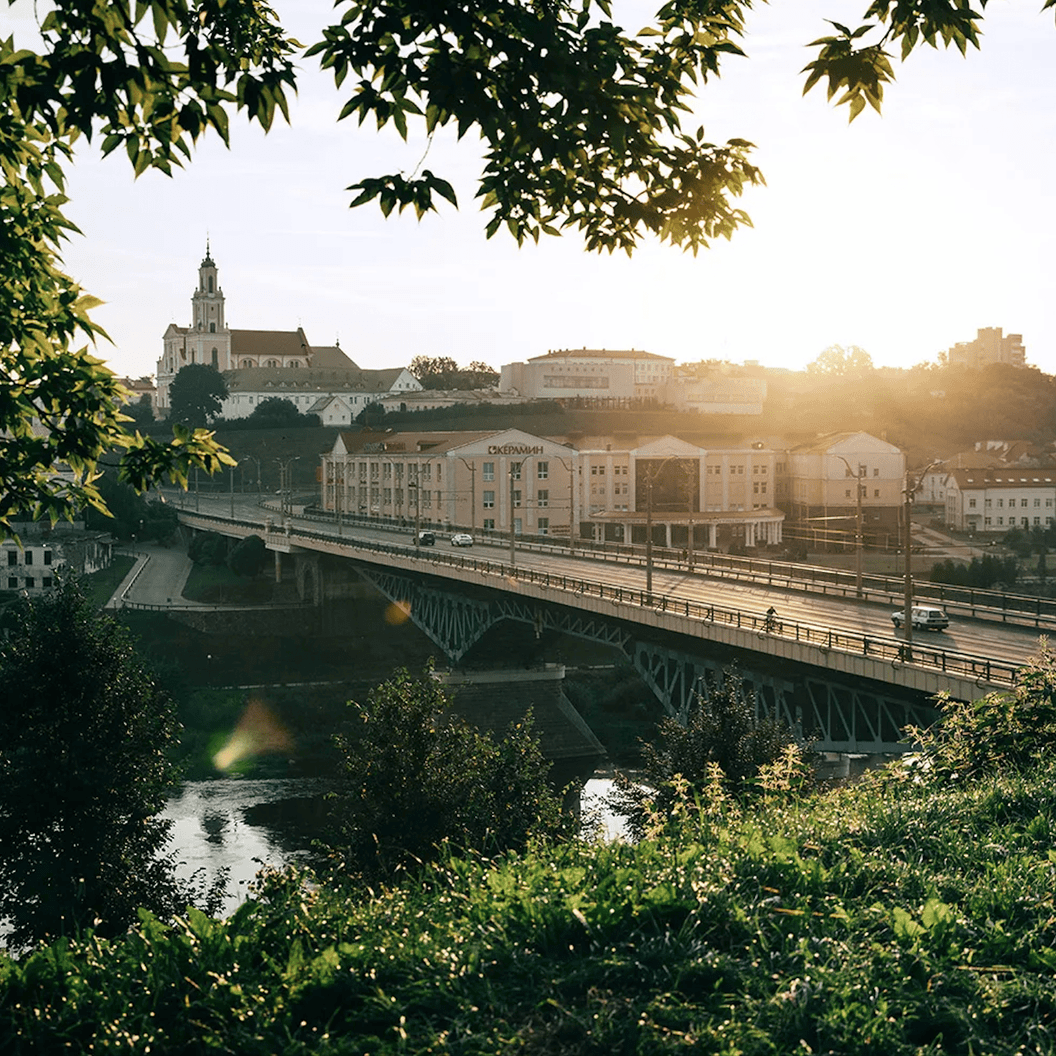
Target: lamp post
<point>472,467</point>
<point>416,484</point>
<point>514,466</point>
<point>912,487</point>
<point>858,524</point>
<point>286,484</point>
<point>570,465</point>
<point>650,480</point>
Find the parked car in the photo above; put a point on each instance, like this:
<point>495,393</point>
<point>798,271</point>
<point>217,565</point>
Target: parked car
<point>461,539</point>
<point>925,618</point>
<point>427,539</point>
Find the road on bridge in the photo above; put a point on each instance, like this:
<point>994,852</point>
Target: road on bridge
<point>980,637</point>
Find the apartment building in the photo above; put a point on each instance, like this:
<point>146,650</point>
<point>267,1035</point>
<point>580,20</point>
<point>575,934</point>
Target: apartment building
<point>995,500</point>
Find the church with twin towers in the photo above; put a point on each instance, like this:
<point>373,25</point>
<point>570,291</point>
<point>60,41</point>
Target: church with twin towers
<point>263,364</point>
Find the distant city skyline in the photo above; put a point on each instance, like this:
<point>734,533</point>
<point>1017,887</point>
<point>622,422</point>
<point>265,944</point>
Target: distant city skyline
<point>903,234</point>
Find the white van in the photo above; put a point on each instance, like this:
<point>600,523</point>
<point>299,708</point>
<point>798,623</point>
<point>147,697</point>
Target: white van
<point>925,618</point>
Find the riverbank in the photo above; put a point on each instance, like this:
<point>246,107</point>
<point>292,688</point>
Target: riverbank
<point>884,918</point>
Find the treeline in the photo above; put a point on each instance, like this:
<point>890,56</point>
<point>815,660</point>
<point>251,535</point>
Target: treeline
<point>986,572</point>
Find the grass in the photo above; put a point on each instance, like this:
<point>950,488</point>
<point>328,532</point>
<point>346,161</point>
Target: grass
<point>102,584</point>
<point>884,918</point>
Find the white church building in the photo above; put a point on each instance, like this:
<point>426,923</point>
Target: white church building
<point>262,364</point>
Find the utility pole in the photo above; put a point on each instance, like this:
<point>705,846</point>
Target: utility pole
<point>912,487</point>
<point>858,523</point>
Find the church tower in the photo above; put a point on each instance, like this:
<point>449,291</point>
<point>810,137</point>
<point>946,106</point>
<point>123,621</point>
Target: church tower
<point>207,302</point>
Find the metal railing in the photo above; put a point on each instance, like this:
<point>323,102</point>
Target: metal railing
<point>983,670</point>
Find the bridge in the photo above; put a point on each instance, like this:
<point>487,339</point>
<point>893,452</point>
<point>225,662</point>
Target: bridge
<point>854,689</point>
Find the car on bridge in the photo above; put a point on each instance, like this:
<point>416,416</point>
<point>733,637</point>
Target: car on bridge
<point>426,539</point>
<point>461,539</point>
<point>924,617</point>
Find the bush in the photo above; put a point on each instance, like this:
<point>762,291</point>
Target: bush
<point>1000,732</point>
<point>722,732</point>
<point>208,548</point>
<point>414,775</point>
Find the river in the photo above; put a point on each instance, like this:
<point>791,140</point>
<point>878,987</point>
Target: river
<point>210,830</point>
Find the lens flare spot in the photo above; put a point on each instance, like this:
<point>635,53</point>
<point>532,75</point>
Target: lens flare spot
<point>258,732</point>
<point>397,613</point>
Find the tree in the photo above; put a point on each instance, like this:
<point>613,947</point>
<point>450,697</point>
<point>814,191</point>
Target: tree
<point>142,411</point>
<point>837,361</point>
<point>248,557</point>
<point>196,394</point>
<point>129,515</point>
<point>721,731</point>
<point>84,732</point>
<point>581,125</point>
<point>442,372</point>
<point>414,775</point>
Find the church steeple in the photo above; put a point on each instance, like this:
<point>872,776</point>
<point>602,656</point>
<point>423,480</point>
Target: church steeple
<point>207,303</point>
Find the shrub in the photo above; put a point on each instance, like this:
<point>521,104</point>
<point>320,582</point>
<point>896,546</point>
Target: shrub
<point>414,775</point>
<point>1002,731</point>
<point>248,557</point>
<point>722,731</point>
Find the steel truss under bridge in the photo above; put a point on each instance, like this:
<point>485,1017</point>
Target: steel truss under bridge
<point>835,715</point>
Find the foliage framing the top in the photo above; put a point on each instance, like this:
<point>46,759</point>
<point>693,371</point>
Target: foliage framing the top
<point>581,124</point>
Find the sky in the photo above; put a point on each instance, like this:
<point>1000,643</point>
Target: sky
<point>902,233</point>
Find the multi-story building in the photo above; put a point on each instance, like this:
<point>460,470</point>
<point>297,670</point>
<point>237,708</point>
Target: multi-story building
<point>595,488</point>
<point>995,500</point>
<point>988,347</point>
<point>824,477</point>
<point>590,373</point>
<point>259,364</point>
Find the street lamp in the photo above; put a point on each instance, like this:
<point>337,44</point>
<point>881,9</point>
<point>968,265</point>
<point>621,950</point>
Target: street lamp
<point>472,467</point>
<point>858,524</point>
<point>912,487</point>
<point>286,484</point>
<point>570,465</point>
<point>650,480</point>
<point>514,466</point>
<point>417,505</point>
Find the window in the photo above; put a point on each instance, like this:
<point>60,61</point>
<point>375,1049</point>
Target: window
<point>543,498</point>
<point>1022,502</point>
<point>46,581</point>
<point>971,506</point>
<point>987,503</point>
<point>516,526</point>
<point>542,470</point>
<point>517,498</point>
<point>212,328</point>
<point>489,500</point>
<point>543,525</point>
<point>1000,520</point>
<point>489,524</point>
<point>1037,503</point>
<point>29,557</point>
<point>1037,520</point>
<point>847,493</point>
<point>30,583</point>
<point>12,582</point>
<point>876,493</point>
<point>489,470</point>
<point>515,470</point>
<point>876,471</point>
<point>12,557</point>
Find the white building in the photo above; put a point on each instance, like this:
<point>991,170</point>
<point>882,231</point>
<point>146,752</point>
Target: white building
<point>824,476</point>
<point>589,373</point>
<point>258,364</point>
<point>995,500</point>
<point>596,489</point>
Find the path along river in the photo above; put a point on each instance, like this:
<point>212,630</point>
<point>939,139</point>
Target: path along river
<point>210,830</point>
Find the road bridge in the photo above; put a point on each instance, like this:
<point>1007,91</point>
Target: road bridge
<point>854,687</point>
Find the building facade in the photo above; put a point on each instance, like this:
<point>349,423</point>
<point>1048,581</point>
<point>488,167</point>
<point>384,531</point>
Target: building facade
<point>996,500</point>
<point>989,346</point>
<point>590,373</point>
<point>593,488</point>
<point>824,478</point>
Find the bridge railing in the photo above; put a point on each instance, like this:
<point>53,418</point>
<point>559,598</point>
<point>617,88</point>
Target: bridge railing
<point>1021,609</point>
<point>983,670</point>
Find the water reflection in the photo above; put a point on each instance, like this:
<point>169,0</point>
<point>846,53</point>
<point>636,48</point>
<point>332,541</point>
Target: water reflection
<point>210,830</point>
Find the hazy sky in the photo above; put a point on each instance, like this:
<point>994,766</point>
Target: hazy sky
<point>902,234</point>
